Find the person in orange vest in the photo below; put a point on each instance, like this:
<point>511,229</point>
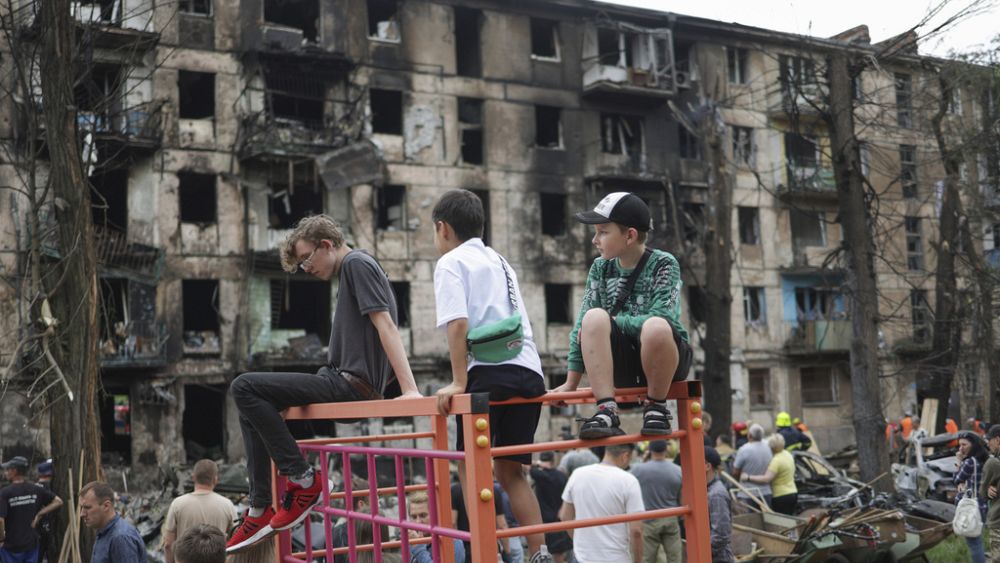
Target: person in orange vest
<point>799,425</point>
<point>975,425</point>
<point>906,425</point>
<point>951,427</point>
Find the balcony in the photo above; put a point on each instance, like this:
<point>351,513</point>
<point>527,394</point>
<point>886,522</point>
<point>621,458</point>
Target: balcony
<point>116,256</point>
<point>804,101</point>
<point>627,63</point>
<point>809,181</point>
<point>130,132</point>
<point>136,344</point>
<point>810,337</point>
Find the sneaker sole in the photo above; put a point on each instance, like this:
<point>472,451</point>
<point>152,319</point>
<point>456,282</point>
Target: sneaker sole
<point>261,535</point>
<point>297,521</point>
<point>598,433</point>
<point>654,431</point>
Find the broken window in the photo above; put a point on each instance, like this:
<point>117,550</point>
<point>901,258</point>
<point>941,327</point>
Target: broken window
<point>295,193</point>
<point>920,313</point>
<point>621,134</point>
<point>97,98</point>
<point>113,308</point>
<point>544,38</point>
<point>468,26</point>
<point>814,304</point>
<point>196,91</point>
<point>401,290</point>
<point>298,14</point>
<point>203,7</point>
<point>197,197</point>
<point>693,221</point>
<point>749,223</point>
<point>689,146</point>
<point>470,123</point>
<point>754,306</point>
<point>801,152</point>
<point>296,97</point>
<point>548,127</point>
<point>558,308</point>
<point>203,426</point>
<point>387,111</point>
<point>301,305</point>
<point>553,214</point>
<point>904,100</point>
<point>818,384</point>
<point>908,170</point>
<point>798,79</point>
<point>955,100</point>
<point>736,60</point>
<point>697,303</point>
<point>109,200</point>
<point>808,227</point>
<point>608,46</point>
<point>484,197</point>
<point>116,426</point>
<point>383,20</point>
<point>743,147</point>
<point>760,386</point>
<point>200,300</point>
<point>914,244</point>
<point>391,208</point>
<point>99,10</point>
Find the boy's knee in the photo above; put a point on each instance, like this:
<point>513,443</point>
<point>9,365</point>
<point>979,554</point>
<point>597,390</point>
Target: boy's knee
<point>596,319</point>
<point>240,387</point>
<point>508,472</point>
<point>656,331</point>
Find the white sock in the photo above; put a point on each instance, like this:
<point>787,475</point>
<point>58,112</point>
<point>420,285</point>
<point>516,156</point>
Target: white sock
<point>305,480</point>
<point>256,512</point>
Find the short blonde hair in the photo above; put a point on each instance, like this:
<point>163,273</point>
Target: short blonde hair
<point>418,497</point>
<point>315,229</point>
<point>776,442</point>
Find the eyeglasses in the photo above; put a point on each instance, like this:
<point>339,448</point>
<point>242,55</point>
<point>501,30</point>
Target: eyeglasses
<point>307,263</point>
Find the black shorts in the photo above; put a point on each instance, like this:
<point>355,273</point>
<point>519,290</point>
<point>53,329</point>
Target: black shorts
<point>510,425</point>
<point>627,358</point>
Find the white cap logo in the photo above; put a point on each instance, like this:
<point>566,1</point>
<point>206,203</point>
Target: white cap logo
<point>608,204</point>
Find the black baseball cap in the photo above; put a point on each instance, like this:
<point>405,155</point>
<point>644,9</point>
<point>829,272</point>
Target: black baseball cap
<point>16,462</point>
<point>624,208</point>
<point>712,457</point>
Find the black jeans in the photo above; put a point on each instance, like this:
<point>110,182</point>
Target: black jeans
<point>260,398</point>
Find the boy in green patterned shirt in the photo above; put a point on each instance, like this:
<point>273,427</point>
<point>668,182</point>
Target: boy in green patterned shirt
<point>638,342</point>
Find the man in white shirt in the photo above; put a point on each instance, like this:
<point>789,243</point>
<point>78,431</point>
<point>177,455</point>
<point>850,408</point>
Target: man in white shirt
<point>605,489</point>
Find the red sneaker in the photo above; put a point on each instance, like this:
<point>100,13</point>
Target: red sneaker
<point>295,507</point>
<point>251,531</point>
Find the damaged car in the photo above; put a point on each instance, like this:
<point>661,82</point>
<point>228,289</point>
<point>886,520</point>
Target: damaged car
<point>931,471</point>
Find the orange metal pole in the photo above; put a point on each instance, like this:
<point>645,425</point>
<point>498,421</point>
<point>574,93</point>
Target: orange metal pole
<point>442,477</point>
<point>694,486</point>
<point>588,522</point>
<point>478,490</point>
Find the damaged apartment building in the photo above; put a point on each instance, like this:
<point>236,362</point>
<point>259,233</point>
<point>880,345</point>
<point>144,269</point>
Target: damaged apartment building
<point>218,124</point>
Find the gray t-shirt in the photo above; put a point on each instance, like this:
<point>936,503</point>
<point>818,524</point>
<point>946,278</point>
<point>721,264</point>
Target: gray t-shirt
<point>354,343</point>
<point>660,481</point>
<point>753,458</point>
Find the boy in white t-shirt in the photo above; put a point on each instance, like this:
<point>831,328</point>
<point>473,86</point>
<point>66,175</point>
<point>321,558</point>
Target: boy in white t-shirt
<point>471,290</point>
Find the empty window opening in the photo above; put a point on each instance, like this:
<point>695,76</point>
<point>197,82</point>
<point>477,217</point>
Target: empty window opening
<point>202,7</point>
<point>688,144</point>
<point>558,308</point>
<point>298,14</point>
<point>815,304</point>
<point>914,244</point>
<point>749,220</point>
<point>297,98</point>
<point>468,29</point>
<point>908,170</point>
<point>819,385</point>
<point>800,151</point>
<point>553,214</point>
<point>697,303</point>
<point>391,208</point>
<point>110,10</point>
<point>484,196</point>
<point>97,97</point>
<point>116,426</point>
<point>197,197</point>
<point>760,386</point>
<point>736,60</point>
<point>544,38</point>
<point>548,127</point>
<point>295,193</point>
<point>808,227</point>
<point>301,305</point>
<point>754,306</point>
<point>112,312</point>
<point>693,221</point>
<point>196,91</point>
<point>401,290</point>
<point>920,313</point>
<point>743,147</point>
<point>200,300</point>
<point>470,122</point>
<point>607,46</point>
<point>798,78</point>
<point>383,20</point>
<point>387,111</point>
<point>621,134</point>
<point>904,100</point>
<point>109,200</point>
<point>204,424</point>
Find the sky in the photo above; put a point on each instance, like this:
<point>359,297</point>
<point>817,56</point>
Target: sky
<point>823,18</point>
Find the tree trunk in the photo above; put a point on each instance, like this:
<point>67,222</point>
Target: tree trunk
<point>717,343</point>
<point>855,216</point>
<point>72,281</point>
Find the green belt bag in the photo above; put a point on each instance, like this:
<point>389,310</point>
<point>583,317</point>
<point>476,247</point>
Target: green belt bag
<point>501,340</point>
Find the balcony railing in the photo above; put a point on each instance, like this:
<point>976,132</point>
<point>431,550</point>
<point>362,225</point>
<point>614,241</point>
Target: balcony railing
<point>135,344</point>
<point>114,251</point>
<point>818,336</point>
<point>809,178</point>
<point>140,123</point>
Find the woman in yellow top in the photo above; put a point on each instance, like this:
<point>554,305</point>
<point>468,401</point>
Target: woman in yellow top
<point>781,476</point>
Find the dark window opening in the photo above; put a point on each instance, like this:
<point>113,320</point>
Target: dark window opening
<point>697,304</point>
<point>908,170</point>
<point>914,244</point>
<point>749,222</point>
<point>109,200</point>
<point>693,221</point>
<point>116,426</point>
<point>468,28</point>
<point>299,14</point>
<point>798,77</point>
<point>688,144</point>
<point>743,148</point>
<point>296,97</point>
<point>553,214</point>
<point>391,208</point>
<point>470,122</point>
<point>196,91</point>
<point>760,387</point>
<point>309,111</point>
<point>814,304</point>
<point>383,16</point>
<point>920,312</point>
<point>609,47</point>
<point>621,134</point>
<point>204,424</point>
<point>113,306</point>
<point>736,60</point>
<point>107,10</point>
<point>754,306</point>
<point>402,292</point>
<point>548,127</point>
<point>301,305</point>
<point>800,151</point>
<point>544,38</point>
<point>98,102</point>
<point>203,7</point>
<point>808,227</point>
<point>904,100</point>
<point>295,193</point>
<point>819,385</point>
<point>558,304</point>
<point>197,197</point>
<point>387,111</point>
<point>201,305</point>
<point>484,196</point>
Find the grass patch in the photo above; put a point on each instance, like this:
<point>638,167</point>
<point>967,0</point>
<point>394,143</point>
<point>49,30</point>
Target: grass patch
<point>951,550</point>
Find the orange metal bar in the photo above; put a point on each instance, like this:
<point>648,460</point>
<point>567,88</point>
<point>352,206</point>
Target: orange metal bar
<point>694,485</point>
<point>383,491</point>
<point>572,444</point>
<point>478,485</point>
<point>442,478</point>
<point>358,439</point>
<point>588,522</point>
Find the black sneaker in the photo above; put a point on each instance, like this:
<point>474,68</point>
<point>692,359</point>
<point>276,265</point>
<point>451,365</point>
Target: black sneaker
<point>603,424</point>
<point>655,420</point>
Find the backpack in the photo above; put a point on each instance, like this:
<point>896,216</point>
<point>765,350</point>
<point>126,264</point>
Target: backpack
<point>968,521</point>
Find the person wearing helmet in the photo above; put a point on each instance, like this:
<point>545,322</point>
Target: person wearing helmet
<point>739,434</point>
<point>794,440</point>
